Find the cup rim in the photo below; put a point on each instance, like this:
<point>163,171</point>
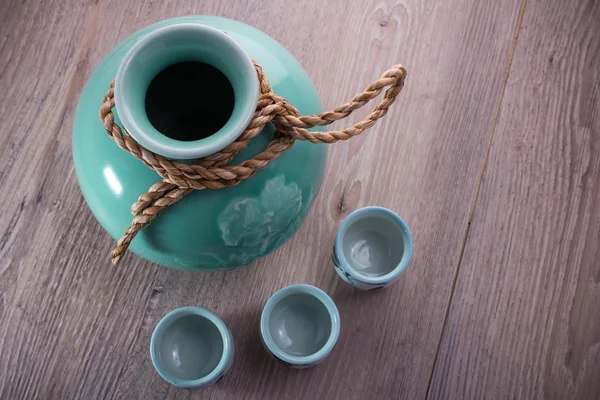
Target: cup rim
<point>318,294</point>
<point>169,319</point>
<point>186,150</point>
<point>406,236</point>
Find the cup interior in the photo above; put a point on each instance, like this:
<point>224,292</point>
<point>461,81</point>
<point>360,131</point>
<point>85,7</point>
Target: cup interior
<point>187,347</point>
<point>299,324</point>
<point>374,243</point>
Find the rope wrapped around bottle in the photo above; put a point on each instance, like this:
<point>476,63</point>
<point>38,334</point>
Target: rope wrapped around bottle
<point>213,172</point>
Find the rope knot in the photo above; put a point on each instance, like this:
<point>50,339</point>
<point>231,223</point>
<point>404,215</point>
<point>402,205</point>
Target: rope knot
<point>214,171</point>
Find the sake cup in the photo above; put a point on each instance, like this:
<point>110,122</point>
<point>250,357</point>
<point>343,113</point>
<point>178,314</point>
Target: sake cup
<point>300,326</point>
<point>191,347</point>
<point>373,246</point>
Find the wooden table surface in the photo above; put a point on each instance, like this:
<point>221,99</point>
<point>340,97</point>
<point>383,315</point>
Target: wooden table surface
<point>491,155</point>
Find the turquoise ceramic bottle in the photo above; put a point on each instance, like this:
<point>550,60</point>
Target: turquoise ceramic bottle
<point>209,229</point>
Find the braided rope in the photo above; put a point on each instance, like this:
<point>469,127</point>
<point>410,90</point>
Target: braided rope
<point>213,172</point>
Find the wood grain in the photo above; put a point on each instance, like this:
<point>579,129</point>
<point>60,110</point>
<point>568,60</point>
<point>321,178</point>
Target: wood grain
<point>525,317</point>
<point>73,326</point>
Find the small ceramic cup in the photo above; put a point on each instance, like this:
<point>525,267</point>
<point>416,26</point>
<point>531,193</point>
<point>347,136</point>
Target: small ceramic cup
<point>372,248</point>
<point>300,325</point>
<point>191,347</point>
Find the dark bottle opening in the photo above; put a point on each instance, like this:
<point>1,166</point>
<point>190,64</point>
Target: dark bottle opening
<point>189,101</point>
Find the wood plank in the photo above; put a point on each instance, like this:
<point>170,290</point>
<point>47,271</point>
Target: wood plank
<point>525,318</point>
<point>56,290</point>
<point>73,326</point>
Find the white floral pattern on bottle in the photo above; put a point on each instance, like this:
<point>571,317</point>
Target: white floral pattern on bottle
<point>254,221</point>
<point>255,226</point>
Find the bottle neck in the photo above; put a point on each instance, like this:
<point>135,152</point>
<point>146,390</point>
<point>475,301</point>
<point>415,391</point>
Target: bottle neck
<point>186,91</point>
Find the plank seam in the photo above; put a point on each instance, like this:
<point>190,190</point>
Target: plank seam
<point>486,153</point>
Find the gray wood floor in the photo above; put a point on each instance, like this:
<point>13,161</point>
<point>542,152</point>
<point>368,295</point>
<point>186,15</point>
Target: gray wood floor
<point>491,156</point>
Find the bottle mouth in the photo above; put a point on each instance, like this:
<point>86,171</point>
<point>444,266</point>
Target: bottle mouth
<point>179,44</point>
